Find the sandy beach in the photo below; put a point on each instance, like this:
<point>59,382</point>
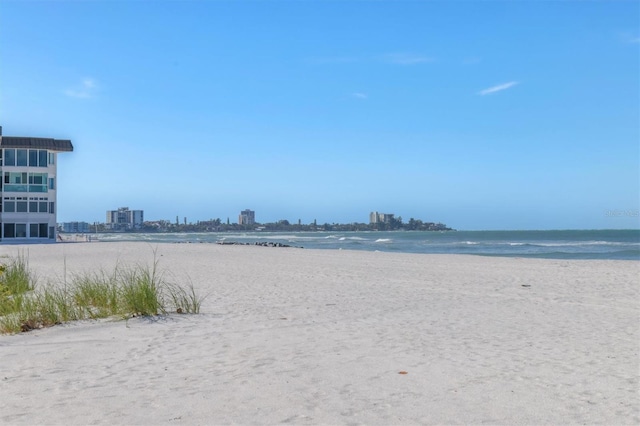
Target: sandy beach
<point>336,337</point>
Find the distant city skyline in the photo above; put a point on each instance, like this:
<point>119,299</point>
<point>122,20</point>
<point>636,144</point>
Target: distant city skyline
<point>480,115</point>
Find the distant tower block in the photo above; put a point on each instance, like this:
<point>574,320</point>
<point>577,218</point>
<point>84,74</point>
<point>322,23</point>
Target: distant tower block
<point>247,217</point>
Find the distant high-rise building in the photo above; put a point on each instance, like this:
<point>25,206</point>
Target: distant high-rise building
<point>247,217</point>
<point>28,190</point>
<point>124,219</point>
<point>375,217</point>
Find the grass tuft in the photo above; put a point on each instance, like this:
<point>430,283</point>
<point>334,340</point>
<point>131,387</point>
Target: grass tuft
<point>185,301</point>
<point>125,292</point>
<point>15,277</point>
<point>142,292</point>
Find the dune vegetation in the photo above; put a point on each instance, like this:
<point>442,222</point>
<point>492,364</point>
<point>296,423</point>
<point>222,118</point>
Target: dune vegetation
<point>124,292</point>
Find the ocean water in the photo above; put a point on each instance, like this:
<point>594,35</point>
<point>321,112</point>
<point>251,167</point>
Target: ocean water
<point>573,244</point>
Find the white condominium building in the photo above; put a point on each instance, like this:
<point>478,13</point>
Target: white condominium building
<point>28,187</point>
<point>247,217</point>
<point>124,219</point>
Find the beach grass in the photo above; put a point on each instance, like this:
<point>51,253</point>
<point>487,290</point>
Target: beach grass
<point>124,292</point>
<point>15,277</point>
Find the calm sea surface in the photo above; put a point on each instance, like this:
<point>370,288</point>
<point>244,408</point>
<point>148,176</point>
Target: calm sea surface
<point>595,244</point>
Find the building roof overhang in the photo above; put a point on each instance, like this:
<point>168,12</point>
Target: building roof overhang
<point>61,145</point>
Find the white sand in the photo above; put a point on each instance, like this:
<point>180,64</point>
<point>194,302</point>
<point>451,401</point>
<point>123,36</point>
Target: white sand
<point>319,337</point>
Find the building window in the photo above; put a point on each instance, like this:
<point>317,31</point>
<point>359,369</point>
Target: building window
<point>21,157</point>
<point>42,158</point>
<point>37,178</point>
<point>33,207</point>
<point>43,208</point>
<point>33,158</point>
<point>21,206</point>
<point>9,157</point>
<point>51,207</point>
<point>52,158</point>
<point>38,230</point>
<point>9,230</point>
<point>10,206</point>
<point>52,183</point>
<point>15,177</point>
<point>21,230</point>
<point>37,182</point>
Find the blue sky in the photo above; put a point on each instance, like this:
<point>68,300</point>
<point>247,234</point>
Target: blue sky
<point>481,115</point>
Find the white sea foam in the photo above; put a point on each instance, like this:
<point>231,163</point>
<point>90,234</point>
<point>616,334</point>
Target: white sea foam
<point>584,243</point>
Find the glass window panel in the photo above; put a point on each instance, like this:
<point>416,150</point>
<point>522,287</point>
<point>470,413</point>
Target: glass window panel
<point>21,157</point>
<point>43,207</point>
<point>37,188</point>
<point>33,207</point>
<point>9,157</point>
<point>10,206</point>
<point>38,178</point>
<point>52,183</point>
<point>42,158</point>
<point>33,158</point>
<point>33,230</point>
<point>52,158</point>
<point>43,230</point>
<point>9,230</point>
<point>16,178</point>
<point>51,207</point>
<point>16,188</point>
<point>21,230</point>
<point>21,206</point>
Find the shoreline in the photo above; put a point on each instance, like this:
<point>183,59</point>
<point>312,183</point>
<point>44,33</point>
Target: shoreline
<point>599,244</point>
<point>323,336</point>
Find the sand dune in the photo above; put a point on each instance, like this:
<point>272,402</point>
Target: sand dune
<point>322,337</point>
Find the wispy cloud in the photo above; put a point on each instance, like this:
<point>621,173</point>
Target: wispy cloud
<point>498,88</point>
<point>359,95</point>
<point>84,90</point>
<point>629,37</point>
<point>406,58</point>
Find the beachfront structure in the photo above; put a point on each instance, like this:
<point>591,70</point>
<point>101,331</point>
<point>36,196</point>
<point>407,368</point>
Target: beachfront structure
<point>75,227</point>
<point>124,219</point>
<point>375,217</point>
<point>28,202</point>
<point>247,217</point>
